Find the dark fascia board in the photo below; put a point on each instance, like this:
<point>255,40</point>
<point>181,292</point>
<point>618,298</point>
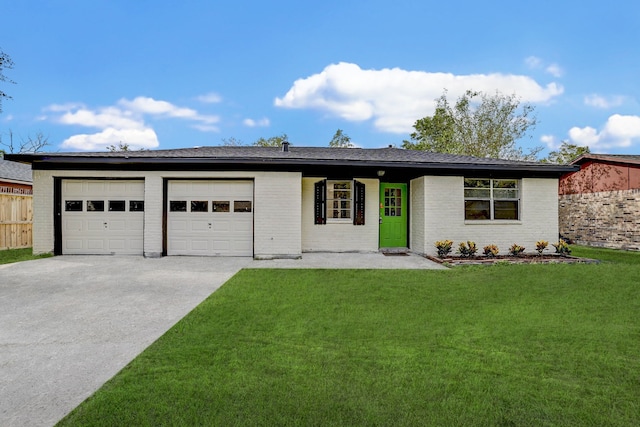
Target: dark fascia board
<point>44,162</point>
<point>604,158</point>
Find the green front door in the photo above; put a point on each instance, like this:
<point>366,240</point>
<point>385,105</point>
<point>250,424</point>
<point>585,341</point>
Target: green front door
<point>393,215</point>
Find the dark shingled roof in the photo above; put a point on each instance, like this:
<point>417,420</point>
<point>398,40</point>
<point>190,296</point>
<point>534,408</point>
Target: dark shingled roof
<point>396,158</point>
<point>15,171</point>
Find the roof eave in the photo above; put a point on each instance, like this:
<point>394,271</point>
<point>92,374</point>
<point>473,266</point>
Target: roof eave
<point>41,159</point>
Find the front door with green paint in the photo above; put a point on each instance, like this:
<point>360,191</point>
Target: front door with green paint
<point>393,215</point>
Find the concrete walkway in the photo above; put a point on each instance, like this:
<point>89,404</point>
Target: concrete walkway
<point>373,260</point>
<point>69,323</point>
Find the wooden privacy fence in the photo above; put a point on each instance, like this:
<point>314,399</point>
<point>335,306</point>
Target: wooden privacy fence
<point>16,221</point>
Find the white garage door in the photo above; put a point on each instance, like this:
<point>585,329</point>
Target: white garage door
<point>102,217</point>
<point>210,218</point>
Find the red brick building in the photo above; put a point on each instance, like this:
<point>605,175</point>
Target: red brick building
<point>600,204</point>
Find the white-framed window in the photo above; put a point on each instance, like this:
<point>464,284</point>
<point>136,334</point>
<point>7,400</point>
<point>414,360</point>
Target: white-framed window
<point>491,199</point>
<point>339,201</point>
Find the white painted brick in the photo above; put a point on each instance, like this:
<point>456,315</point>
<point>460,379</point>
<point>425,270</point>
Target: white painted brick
<point>342,237</point>
<point>277,207</point>
<point>444,216</point>
<point>417,217</point>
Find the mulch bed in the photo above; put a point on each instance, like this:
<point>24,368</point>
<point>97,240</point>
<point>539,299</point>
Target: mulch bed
<point>522,259</point>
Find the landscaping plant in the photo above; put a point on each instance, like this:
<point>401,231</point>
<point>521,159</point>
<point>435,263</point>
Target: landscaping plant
<point>468,249</point>
<point>562,248</point>
<point>541,245</point>
<point>490,251</point>
<point>444,247</point>
<point>516,249</point>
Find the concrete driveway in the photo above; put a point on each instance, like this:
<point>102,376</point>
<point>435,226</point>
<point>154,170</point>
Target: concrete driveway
<point>69,323</point>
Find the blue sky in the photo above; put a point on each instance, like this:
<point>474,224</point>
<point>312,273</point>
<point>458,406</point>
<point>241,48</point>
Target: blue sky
<point>159,74</point>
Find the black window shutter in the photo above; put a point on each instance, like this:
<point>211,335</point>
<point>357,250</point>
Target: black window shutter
<point>358,218</point>
<point>320,202</point>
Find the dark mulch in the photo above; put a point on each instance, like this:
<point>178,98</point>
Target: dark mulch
<point>522,259</point>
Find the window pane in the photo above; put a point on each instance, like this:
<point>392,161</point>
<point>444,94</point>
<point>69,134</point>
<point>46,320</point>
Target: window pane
<point>477,209</point>
<point>477,193</point>
<point>117,205</point>
<point>95,205</point>
<point>505,183</point>
<point>178,206</point>
<point>199,206</point>
<point>242,206</point>
<point>73,205</point>
<point>477,183</point>
<point>505,194</point>
<point>505,210</point>
<point>219,206</point>
<point>136,206</point>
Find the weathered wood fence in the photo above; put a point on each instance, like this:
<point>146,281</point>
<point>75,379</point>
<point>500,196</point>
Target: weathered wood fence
<point>16,221</point>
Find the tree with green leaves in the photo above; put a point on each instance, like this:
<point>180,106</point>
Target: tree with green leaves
<point>5,63</point>
<point>566,153</point>
<point>478,125</point>
<point>341,140</point>
<point>274,141</point>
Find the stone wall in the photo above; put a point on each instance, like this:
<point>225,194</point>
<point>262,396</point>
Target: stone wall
<point>608,219</point>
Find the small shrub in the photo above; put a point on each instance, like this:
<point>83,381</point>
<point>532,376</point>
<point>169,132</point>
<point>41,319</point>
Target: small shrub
<point>562,248</point>
<point>491,251</point>
<point>467,250</point>
<point>541,245</point>
<point>516,250</point>
<point>444,247</point>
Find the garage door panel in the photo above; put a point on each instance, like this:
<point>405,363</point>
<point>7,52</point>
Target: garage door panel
<point>119,231</point>
<point>94,225</point>
<point>73,224</point>
<point>117,244</point>
<point>200,225</point>
<point>96,244</point>
<point>225,232</point>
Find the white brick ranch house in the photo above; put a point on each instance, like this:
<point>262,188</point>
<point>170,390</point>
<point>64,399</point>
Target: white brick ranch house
<point>282,202</point>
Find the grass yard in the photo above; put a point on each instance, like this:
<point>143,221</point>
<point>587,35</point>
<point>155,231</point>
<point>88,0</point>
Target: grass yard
<point>16,255</point>
<point>503,345</point>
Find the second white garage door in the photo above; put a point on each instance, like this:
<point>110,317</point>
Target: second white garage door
<point>210,218</point>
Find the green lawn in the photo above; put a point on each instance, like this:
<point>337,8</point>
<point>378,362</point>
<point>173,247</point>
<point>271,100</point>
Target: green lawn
<point>16,255</point>
<point>504,345</point>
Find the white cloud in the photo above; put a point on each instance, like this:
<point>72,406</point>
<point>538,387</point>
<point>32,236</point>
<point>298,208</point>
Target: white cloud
<point>124,122</point>
<point>555,70</point>
<point>146,105</point>
<point>206,128</point>
<point>536,63</point>
<point>619,131</point>
<point>533,62</point>
<point>551,141</point>
<point>135,138</point>
<point>101,119</point>
<point>598,101</point>
<point>394,98</point>
<point>264,122</point>
<point>210,98</point>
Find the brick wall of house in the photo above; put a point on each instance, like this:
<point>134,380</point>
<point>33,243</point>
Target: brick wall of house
<point>444,216</point>
<point>608,219</point>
